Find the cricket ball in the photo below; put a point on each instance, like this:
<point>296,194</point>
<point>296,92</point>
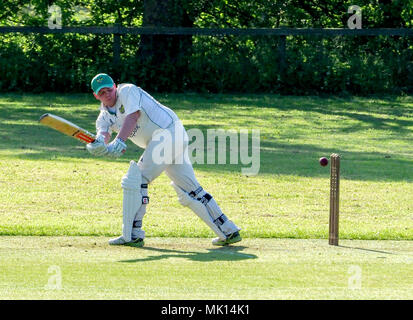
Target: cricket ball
<point>323,161</point>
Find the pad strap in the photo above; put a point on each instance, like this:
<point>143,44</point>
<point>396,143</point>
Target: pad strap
<point>205,200</point>
<point>193,194</point>
<point>145,198</point>
<point>137,224</point>
<point>221,220</point>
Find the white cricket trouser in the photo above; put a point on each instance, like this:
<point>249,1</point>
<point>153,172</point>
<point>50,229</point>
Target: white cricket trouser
<point>181,172</point>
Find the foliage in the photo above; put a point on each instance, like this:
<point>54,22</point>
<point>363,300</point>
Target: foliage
<point>66,62</point>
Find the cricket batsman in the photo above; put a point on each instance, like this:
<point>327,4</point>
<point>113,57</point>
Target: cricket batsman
<point>133,114</point>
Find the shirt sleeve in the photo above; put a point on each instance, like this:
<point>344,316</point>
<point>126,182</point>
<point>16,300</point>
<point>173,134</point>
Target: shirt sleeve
<point>131,98</point>
<point>102,124</point>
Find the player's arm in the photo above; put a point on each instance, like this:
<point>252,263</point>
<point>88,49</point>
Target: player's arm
<point>106,136</point>
<point>130,98</point>
<point>128,125</point>
<point>118,146</point>
<point>103,134</point>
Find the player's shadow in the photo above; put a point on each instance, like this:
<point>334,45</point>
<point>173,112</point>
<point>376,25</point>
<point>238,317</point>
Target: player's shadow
<point>232,253</point>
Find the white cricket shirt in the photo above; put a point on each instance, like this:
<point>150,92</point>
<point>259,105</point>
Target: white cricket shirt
<point>130,99</point>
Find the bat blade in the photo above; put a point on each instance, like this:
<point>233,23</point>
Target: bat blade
<point>66,127</point>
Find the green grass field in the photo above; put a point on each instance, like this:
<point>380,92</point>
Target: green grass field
<point>188,268</point>
<point>52,187</point>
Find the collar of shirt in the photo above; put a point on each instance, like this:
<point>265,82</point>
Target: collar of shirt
<point>111,110</point>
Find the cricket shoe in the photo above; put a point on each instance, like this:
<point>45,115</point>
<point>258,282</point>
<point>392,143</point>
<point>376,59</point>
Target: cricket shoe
<point>121,241</point>
<point>232,238</point>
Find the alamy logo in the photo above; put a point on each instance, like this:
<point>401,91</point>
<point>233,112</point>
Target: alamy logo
<point>354,22</point>
<point>178,146</point>
<point>354,281</point>
<point>55,19</point>
<point>55,15</point>
<point>55,279</point>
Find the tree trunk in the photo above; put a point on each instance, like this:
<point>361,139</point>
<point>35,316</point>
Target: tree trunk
<point>164,59</point>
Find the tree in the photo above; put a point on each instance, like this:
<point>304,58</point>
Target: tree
<point>165,58</point>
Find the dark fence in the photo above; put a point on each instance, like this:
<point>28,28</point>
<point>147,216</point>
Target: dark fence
<point>117,31</point>
<point>280,33</point>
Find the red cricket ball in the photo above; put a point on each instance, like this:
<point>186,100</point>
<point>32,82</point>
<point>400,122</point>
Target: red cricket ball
<point>323,161</point>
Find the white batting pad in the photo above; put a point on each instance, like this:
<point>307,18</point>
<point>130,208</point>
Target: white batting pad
<point>219,219</point>
<point>198,208</point>
<point>132,198</point>
<point>229,227</point>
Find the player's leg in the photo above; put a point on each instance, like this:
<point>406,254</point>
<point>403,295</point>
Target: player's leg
<point>149,171</point>
<point>150,168</point>
<point>132,201</point>
<point>135,196</point>
<point>137,231</point>
<point>192,195</point>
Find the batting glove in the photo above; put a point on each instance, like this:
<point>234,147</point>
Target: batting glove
<point>116,148</point>
<point>98,147</point>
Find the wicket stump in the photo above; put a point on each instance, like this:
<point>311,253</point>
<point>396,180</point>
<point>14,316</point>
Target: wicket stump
<point>334,198</point>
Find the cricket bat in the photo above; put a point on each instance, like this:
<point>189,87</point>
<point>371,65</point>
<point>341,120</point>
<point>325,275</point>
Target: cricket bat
<point>66,127</point>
